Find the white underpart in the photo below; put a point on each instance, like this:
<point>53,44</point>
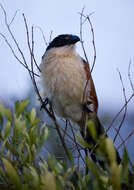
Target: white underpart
<point>64,79</point>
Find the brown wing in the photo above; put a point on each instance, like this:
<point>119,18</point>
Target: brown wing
<point>92,94</point>
<point>90,103</point>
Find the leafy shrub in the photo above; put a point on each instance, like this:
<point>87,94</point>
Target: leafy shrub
<point>22,137</point>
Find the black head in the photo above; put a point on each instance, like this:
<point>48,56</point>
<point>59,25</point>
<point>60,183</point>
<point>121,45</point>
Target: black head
<point>63,40</point>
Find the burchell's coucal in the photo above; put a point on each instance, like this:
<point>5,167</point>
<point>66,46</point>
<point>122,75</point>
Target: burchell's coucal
<point>69,86</point>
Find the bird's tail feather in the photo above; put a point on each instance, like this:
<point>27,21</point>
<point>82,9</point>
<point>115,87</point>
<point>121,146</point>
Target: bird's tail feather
<point>89,121</point>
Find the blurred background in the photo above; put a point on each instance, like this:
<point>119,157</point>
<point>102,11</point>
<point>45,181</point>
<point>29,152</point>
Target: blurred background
<point>114,37</point>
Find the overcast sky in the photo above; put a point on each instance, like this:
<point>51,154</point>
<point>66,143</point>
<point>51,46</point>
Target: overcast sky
<point>113,22</point>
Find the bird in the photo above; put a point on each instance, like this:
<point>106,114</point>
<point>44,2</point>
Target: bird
<point>68,84</point>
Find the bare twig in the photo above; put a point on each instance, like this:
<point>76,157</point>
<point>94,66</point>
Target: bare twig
<point>125,112</point>
<point>12,36</point>
<point>119,135</point>
<point>117,115</point>
<point>13,17</point>
<point>129,76</point>
<point>87,18</point>
<point>70,137</point>
<point>76,143</point>
<point>14,54</point>
<point>40,29</point>
<point>60,135</point>
<point>125,140</point>
<point>50,37</point>
<point>24,63</point>
<point>66,125</point>
<point>30,47</point>
<point>81,35</point>
<point>93,42</point>
<point>31,54</point>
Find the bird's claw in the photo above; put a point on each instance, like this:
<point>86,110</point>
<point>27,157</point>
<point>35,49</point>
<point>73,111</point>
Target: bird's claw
<point>45,103</point>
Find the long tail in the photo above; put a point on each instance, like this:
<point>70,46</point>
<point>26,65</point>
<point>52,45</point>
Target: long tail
<point>87,136</point>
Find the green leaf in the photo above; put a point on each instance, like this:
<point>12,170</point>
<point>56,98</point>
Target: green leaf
<point>110,150</point>
<point>8,114</point>
<point>21,106</point>
<point>84,143</point>
<point>50,183</point>
<point>115,179</point>
<point>33,115</point>
<point>45,133</point>
<point>5,112</point>
<point>33,133</point>
<point>2,109</point>
<point>52,164</point>
<point>1,121</point>
<point>19,128</point>
<point>91,128</point>
<point>70,156</point>
<point>69,184</point>
<point>98,174</point>
<point>28,156</point>
<point>44,167</point>
<point>125,166</point>
<point>34,175</point>
<point>12,174</point>
<point>93,167</point>
<point>7,130</point>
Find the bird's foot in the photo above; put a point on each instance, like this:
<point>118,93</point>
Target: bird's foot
<point>45,103</point>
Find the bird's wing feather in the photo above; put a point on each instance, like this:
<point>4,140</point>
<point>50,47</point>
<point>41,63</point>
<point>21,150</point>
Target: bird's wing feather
<point>92,96</point>
<point>90,101</point>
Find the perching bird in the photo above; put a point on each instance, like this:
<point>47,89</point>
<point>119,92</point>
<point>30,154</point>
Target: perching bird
<point>69,86</point>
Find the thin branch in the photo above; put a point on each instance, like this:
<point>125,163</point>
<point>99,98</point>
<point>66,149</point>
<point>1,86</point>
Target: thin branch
<point>31,50</point>
<point>14,40</point>
<point>93,42</point>
<point>31,54</point>
<point>125,112</point>
<point>81,35</point>
<point>82,43</point>
<point>75,141</point>
<point>129,76</point>
<point>36,64</point>
<point>117,115</point>
<point>125,140</point>
<point>14,54</point>
<point>60,135</point>
<point>84,51</point>
<point>40,29</point>
<point>66,125</point>
<point>8,27</point>
<point>52,116</point>
<point>87,18</point>
<point>70,137</point>
<point>10,23</point>
<point>119,135</point>
<point>50,37</point>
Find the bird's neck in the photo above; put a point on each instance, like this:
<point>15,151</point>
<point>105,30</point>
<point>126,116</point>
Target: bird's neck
<point>64,51</point>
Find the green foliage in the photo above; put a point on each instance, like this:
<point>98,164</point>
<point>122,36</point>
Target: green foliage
<point>22,137</point>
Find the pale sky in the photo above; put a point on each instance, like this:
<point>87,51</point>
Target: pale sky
<point>113,22</point>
